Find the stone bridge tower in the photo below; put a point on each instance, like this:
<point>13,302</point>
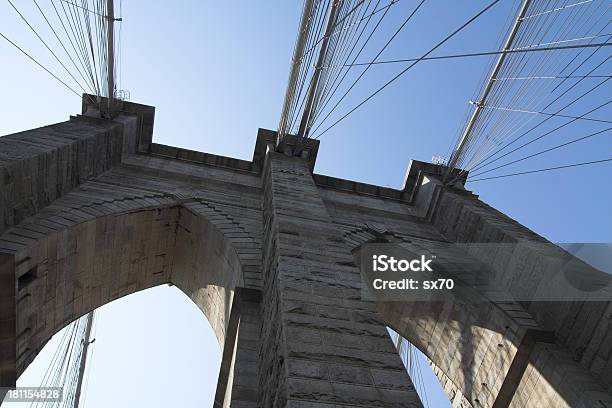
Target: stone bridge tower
<point>92,210</point>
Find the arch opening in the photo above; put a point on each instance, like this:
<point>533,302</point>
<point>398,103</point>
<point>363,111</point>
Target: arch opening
<point>152,348</point>
<point>92,263</point>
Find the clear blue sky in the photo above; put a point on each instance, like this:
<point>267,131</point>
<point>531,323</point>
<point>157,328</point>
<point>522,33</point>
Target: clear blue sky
<point>216,71</point>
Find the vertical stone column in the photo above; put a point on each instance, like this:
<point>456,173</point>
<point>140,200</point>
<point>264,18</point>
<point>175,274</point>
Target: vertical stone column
<point>245,388</point>
<point>237,385</point>
<point>320,343</point>
<point>8,335</point>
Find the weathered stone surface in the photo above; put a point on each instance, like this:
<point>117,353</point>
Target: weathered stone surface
<point>308,255</point>
<point>8,330</point>
<point>92,210</point>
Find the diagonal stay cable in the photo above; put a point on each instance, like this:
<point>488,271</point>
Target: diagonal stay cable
<point>39,64</point>
<point>523,32</point>
<point>329,97</point>
<point>527,78</point>
<point>376,11</point>
<point>558,115</point>
<point>490,158</point>
<point>368,67</point>
<point>76,33</point>
<point>347,46</point>
<point>551,131</point>
<point>76,27</point>
<point>545,169</point>
<point>45,44</point>
<point>83,76</point>
<point>556,9</point>
<point>79,32</point>
<point>492,125</point>
<point>90,51</point>
<point>334,44</point>
<point>483,161</point>
<point>51,367</point>
<point>82,8</point>
<point>438,45</point>
<point>544,151</point>
<point>78,51</point>
<point>488,163</point>
<point>576,68</point>
<point>482,54</point>
<point>334,66</point>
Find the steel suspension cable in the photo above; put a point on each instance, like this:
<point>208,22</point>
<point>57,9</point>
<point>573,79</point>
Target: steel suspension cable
<point>401,73</point>
<point>45,44</point>
<point>590,135</point>
<point>397,31</point>
<point>39,64</point>
<point>544,169</point>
